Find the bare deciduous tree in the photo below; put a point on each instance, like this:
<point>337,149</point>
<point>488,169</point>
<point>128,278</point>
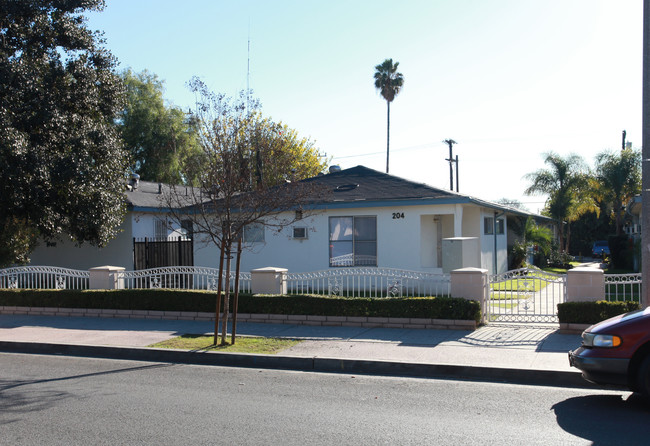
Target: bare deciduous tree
<point>240,186</point>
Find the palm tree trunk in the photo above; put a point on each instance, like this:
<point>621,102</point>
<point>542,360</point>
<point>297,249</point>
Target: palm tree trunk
<point>387,134</point>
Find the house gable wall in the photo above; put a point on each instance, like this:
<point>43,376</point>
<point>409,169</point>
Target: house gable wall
<point>118,252</point>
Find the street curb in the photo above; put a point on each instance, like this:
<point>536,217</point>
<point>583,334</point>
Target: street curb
<point>307,364</point>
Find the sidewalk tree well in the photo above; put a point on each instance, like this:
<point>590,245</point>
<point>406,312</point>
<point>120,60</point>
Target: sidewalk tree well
<point>246,182</point>
<point>63,164</point>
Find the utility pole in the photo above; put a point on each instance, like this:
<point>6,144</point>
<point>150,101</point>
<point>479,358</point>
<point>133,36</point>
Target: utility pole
<point>623,145</point>
<point>457,189</point>
<point>451,160</point>
<point>645,163</point>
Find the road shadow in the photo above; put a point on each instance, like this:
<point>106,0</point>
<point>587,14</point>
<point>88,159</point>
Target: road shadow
<point>20,396</point>
<point>606,419</point>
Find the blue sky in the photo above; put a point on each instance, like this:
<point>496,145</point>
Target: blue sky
<point>506,79</point>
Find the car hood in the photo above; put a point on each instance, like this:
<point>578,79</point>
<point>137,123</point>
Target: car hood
<point>621,318</point>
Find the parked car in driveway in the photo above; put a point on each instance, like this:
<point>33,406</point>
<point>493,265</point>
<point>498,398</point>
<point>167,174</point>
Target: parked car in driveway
<point>617,352</point>
<point>600,249</point>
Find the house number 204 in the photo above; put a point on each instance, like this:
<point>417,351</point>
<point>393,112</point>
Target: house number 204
<point>398,215</point>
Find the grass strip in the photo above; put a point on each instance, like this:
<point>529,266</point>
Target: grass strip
<point>243,344</point>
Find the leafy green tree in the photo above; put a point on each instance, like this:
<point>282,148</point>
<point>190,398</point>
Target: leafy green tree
<point>289,157</point>
<point>62,160</point>
<point>532,235</point>
<point>160,138</point>
<point>389,83</point>
<point>564,182</point>
<point>618,176</point>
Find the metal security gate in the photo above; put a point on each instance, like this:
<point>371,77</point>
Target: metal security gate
<point>525,295</point>
<point>148,253</point>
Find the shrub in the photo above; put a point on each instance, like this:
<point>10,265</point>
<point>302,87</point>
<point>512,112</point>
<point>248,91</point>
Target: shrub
<point>593,312</point>
<point>559,259</point>
<point>204,301</point>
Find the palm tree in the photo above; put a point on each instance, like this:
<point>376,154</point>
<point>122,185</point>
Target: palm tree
<point>531,235</point>
<point>564,182</point>
<point>619,179</point>
<point>389,83</point>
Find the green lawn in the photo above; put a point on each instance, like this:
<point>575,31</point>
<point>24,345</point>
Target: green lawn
<point>243,344</point>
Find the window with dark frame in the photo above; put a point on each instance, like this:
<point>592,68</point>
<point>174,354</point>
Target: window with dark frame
<point>488,226</point>
<point>353,241</point>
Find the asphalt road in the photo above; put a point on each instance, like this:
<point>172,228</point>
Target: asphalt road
<point>78,401</point>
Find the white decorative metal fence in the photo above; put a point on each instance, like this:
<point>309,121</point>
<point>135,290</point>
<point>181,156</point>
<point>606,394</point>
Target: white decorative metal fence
<point>44,277</point>
<point>181,277</point>
<point>369,282</point>
<point>525,295</point>
<point>622,287</point>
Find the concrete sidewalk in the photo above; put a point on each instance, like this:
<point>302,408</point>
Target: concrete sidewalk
<point>534,354</point>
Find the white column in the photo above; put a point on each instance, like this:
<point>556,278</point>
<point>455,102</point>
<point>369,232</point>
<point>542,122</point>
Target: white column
<point>106,278</point>
<point>458,221</point>
<point>585,285</point>
<point>269,280</point>
<point>471,284</point>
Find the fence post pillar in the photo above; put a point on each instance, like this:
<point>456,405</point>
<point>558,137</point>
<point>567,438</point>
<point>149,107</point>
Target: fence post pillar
<point>106,278</point>
<point>471,284</point>
<point>584,284</point>
<point>269,280</point>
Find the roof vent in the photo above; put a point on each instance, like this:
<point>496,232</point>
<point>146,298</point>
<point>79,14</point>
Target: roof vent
<point>346,187</point>
<point>335,168</point>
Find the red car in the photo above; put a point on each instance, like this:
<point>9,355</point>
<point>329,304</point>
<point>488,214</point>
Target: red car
<point>617,352</point>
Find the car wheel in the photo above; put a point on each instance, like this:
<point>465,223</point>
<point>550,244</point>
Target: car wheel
<point>643,378</point>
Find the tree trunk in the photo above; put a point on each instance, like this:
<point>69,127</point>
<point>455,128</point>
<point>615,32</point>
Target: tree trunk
<point>219,289</point>
<point>235,299</point>
<point>387,134</point>
<point>618,217</point>
<point>226,295</point>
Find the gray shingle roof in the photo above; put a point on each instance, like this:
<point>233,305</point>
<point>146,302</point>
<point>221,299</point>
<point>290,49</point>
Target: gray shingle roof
<point>361,183</point>
<point>354,185</point>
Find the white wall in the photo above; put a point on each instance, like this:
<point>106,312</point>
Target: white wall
<point>487,245</point>
<point>406,239</point>
<point>118,252</point>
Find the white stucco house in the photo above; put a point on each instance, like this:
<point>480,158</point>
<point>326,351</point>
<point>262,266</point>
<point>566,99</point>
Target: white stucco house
<point>368,219</point>
<point>146,218</point>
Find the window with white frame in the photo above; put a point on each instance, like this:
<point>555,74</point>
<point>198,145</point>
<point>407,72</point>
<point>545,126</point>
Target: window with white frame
<point>353,241</point>
<point>253,233</point>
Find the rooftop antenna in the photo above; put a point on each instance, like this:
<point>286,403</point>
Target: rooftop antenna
<point>248,71</point>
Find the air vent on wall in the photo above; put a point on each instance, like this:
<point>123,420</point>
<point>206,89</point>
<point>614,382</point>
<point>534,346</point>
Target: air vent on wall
<point>299,233</point>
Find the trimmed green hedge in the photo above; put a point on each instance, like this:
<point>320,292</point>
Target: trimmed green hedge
<point>204,301</point>
<point>593,312</point>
